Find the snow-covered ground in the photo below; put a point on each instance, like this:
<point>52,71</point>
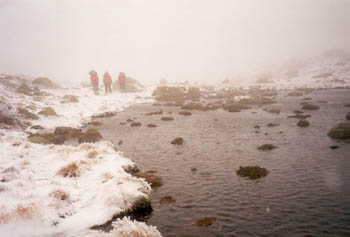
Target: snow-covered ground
<point>63,190</point>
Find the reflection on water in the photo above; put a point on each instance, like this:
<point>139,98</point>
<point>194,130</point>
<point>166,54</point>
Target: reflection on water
<point>306,192</point>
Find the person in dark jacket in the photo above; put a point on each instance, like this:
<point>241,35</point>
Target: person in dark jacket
<point>107,80</point>
<point>94,81</point>
<point>122,82</point>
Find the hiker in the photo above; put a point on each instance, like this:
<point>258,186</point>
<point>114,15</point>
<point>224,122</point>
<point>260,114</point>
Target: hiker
<point>107,80</point>
<point>94,81</point>
<point>122,82</point>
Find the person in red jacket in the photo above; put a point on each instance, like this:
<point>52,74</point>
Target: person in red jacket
<point>107,80</point>
<point>122,82</point>
<point>94,81</point>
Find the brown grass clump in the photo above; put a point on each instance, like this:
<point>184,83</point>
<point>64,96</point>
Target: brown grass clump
<point>92,154</point>
<point>71,170</point>
<point>59,194</point>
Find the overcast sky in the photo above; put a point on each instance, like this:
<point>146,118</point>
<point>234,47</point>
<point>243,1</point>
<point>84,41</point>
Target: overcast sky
<point>173,39</point>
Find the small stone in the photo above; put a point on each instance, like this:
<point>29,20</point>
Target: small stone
<point>151,125</point>
<point>167,118</point>
<point>267,147</point>
<point>303,123</point>
<point>136,124</point>
<point>177,141</point>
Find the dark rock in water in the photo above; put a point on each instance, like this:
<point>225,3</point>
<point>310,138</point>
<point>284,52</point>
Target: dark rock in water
<point>48,111</point>
<point>340,131</point>
<point>151,125</point>
<point>274,111</point>
<point>136,124</point>
<point>129,120</point>
<point>205,222</point>
<point>257,126</point>
<point>347,105</point>
<point>167,118</point>
<point>252,172</point>
<point>257,100</point>
<point>122,123</point>
<point>38,140</point>
<point>44,82</point>
<point>307,98</point>
<point>295,93</point>
<point>70,99</point>
<point>304,103</point>
<point>155,113</point>
<point>194,169</point>
<point>185,113</point>
<point>235,107</point>
<point>333,147</point>
<point>177,141</point>
<point>167,200</point>
<point>348,116</point>
<point>27,114</point>
<point>37,127</point>
<point>193,93</point>
<point>270,125</point>
<point>300,116</point>
<point>68,132</point>
<point>298,112</point>
<point>267,147</point>
<point>322,101</point>
<point>104,115</point>
<point>24,89</point>
<point>91,135</point>
<point>154,180</point>
<point>310,107</point>
<point>303,123</point>
<point>120,142</point>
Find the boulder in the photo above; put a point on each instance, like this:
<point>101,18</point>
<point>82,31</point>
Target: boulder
<point>340,131</point>
<point>44,82</point>
<point>252,172</point>
<point>38,140</point>
<point>185,113</point>
<point>91,135</point>
<point>167,118</point>
<point>26,114</point>
<point>303,123</point>
<point>300,116</point>
<point>70,99</point>
<point>347,116</point>
<point>152,179</point>
<point>273,110</point>
<point>136,124</point>
<point>155,113</point>
<point>166,93</point>
<point>267,147</point>
<point>151,125</point>
<point>68,132</point>
<point>310,107</point>
<point>270,125</point>
<point>48,111</point>
<point>24,89</point>
<point>177,141</point>
<point>205,221</point>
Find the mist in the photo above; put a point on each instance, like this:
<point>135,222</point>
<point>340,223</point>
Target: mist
<point>197,40</point>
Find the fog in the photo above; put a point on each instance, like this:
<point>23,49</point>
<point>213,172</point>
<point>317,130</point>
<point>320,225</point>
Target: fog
<point>178,40</point>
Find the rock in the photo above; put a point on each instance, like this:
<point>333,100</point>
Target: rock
<point>307,98</point>
<point>185,113</point>
<point>91,135</point>
<point>310,107</point>
<point>274,111</point>
<point>235,107</point>
<point>27,114</point>
<point>333,147</point>
<point>136,124</point>
<point>68,132</point>
<point>348,116</point>
<point>160,112</point>
<point>129,120</point>
<point>270,125</point>
<point>166,93</point>
<point>257,100</point>
<point>44,82</point>
<point>205,222</point>
<point>24,89</point>
<point>295,93</point>
<point>38,140</point>
<point>104,115</point>
<point>167,118</point>
<point>267,147</point>
<point>167,200</point>
<point>347,105</point>
<point>177,141</point>
<point>257,127</point>
<point>96,123</point>
<point>194,169</point>
<point>340,131</point>
<point>193,93</point>
<point>7,120</point>
<point>48,111</point>
<point>70,99</point>
<point>298,112</point>
<point>252,172</point>
<point>303,123</point>
<point>300,116</point>
<point>151,125</point>
<point>37,127</point>
<point>154,180</point>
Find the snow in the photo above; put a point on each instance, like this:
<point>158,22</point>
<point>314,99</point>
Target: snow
<point>61,190</point>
